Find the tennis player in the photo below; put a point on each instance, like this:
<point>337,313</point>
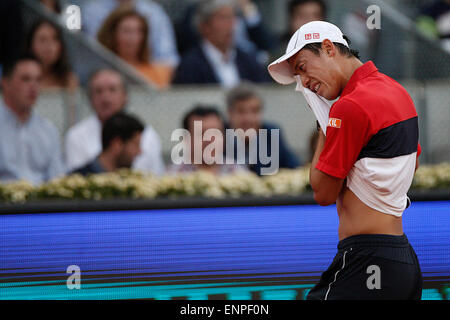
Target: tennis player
<point>364,163</point>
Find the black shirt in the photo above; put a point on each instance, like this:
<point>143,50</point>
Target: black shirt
<point>91,168</point>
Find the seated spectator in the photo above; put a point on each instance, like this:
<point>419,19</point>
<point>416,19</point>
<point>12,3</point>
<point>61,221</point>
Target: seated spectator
<point>45,43</point>
<point>29,144</point>
<point>161,36</point>
<point>434,21</point>
<point>52,5</point>
<point>303,11</point>
<point>108,95</point>
<point>121,139</point>
<point>209,118</point>
<point>216,59</point>
<point>125,32</point>
<point>300,12</point>
<point>250,34</point>
<point>245,110</point>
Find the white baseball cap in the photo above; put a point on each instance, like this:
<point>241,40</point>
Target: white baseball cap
<point>311,32</point>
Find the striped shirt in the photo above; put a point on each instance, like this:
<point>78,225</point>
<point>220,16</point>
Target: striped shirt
<point>372,140</point>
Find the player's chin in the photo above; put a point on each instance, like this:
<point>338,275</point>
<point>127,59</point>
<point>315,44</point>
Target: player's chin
<point>328,94</point>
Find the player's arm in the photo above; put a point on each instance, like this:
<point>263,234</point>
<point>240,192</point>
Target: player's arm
<point>335,155</point>
<point>326,188</point>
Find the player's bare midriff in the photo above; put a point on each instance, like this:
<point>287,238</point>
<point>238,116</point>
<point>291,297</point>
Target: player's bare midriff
<point>357,218</point>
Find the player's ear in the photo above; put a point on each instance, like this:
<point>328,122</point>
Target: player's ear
<point>328,48</point>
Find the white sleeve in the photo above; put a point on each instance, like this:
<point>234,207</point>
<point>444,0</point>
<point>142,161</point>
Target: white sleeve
<point>150,160</point>
<point>73,151</point>
<point>56,166</point>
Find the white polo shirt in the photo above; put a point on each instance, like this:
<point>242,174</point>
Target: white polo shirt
<point>83,143</point>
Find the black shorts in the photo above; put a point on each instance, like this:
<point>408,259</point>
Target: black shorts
<point>369,267</point>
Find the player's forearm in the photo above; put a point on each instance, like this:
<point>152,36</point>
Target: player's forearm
<point>326,188</point>
<point>314,174</point>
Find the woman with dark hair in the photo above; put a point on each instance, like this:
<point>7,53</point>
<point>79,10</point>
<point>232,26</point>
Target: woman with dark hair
<point>45,43</point>
<point>125,32</point>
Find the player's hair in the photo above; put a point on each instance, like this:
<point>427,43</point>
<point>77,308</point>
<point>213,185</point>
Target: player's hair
<point>317,46</point>
<point>122,126</point>
<point>243,91</point>
<point>10,66</point>
<point>200,110</point>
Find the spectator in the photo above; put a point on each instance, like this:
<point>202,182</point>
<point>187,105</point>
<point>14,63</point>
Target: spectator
<point>216,59</point>
<point>209,118</point>
<point>52,5</point>
<point>304,11</point>
<point>108,95</point>
<point>434,21</point>
<point>354,26</point>
<point>245,107</point>
<point>121,139</point>
<point>250,34</point>
<point>29,144</point>
<point>300,12</point>
<point>45,43</point>
<point>161,36</point>
<point>125,32</point>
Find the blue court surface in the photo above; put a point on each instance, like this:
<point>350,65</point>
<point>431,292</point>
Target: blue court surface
<point>271,252</point>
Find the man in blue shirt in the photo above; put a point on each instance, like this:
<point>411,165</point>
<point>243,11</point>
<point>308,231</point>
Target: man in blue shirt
<point>29,145</point>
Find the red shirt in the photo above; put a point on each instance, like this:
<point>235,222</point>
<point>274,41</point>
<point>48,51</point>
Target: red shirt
<point>373,126</point>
